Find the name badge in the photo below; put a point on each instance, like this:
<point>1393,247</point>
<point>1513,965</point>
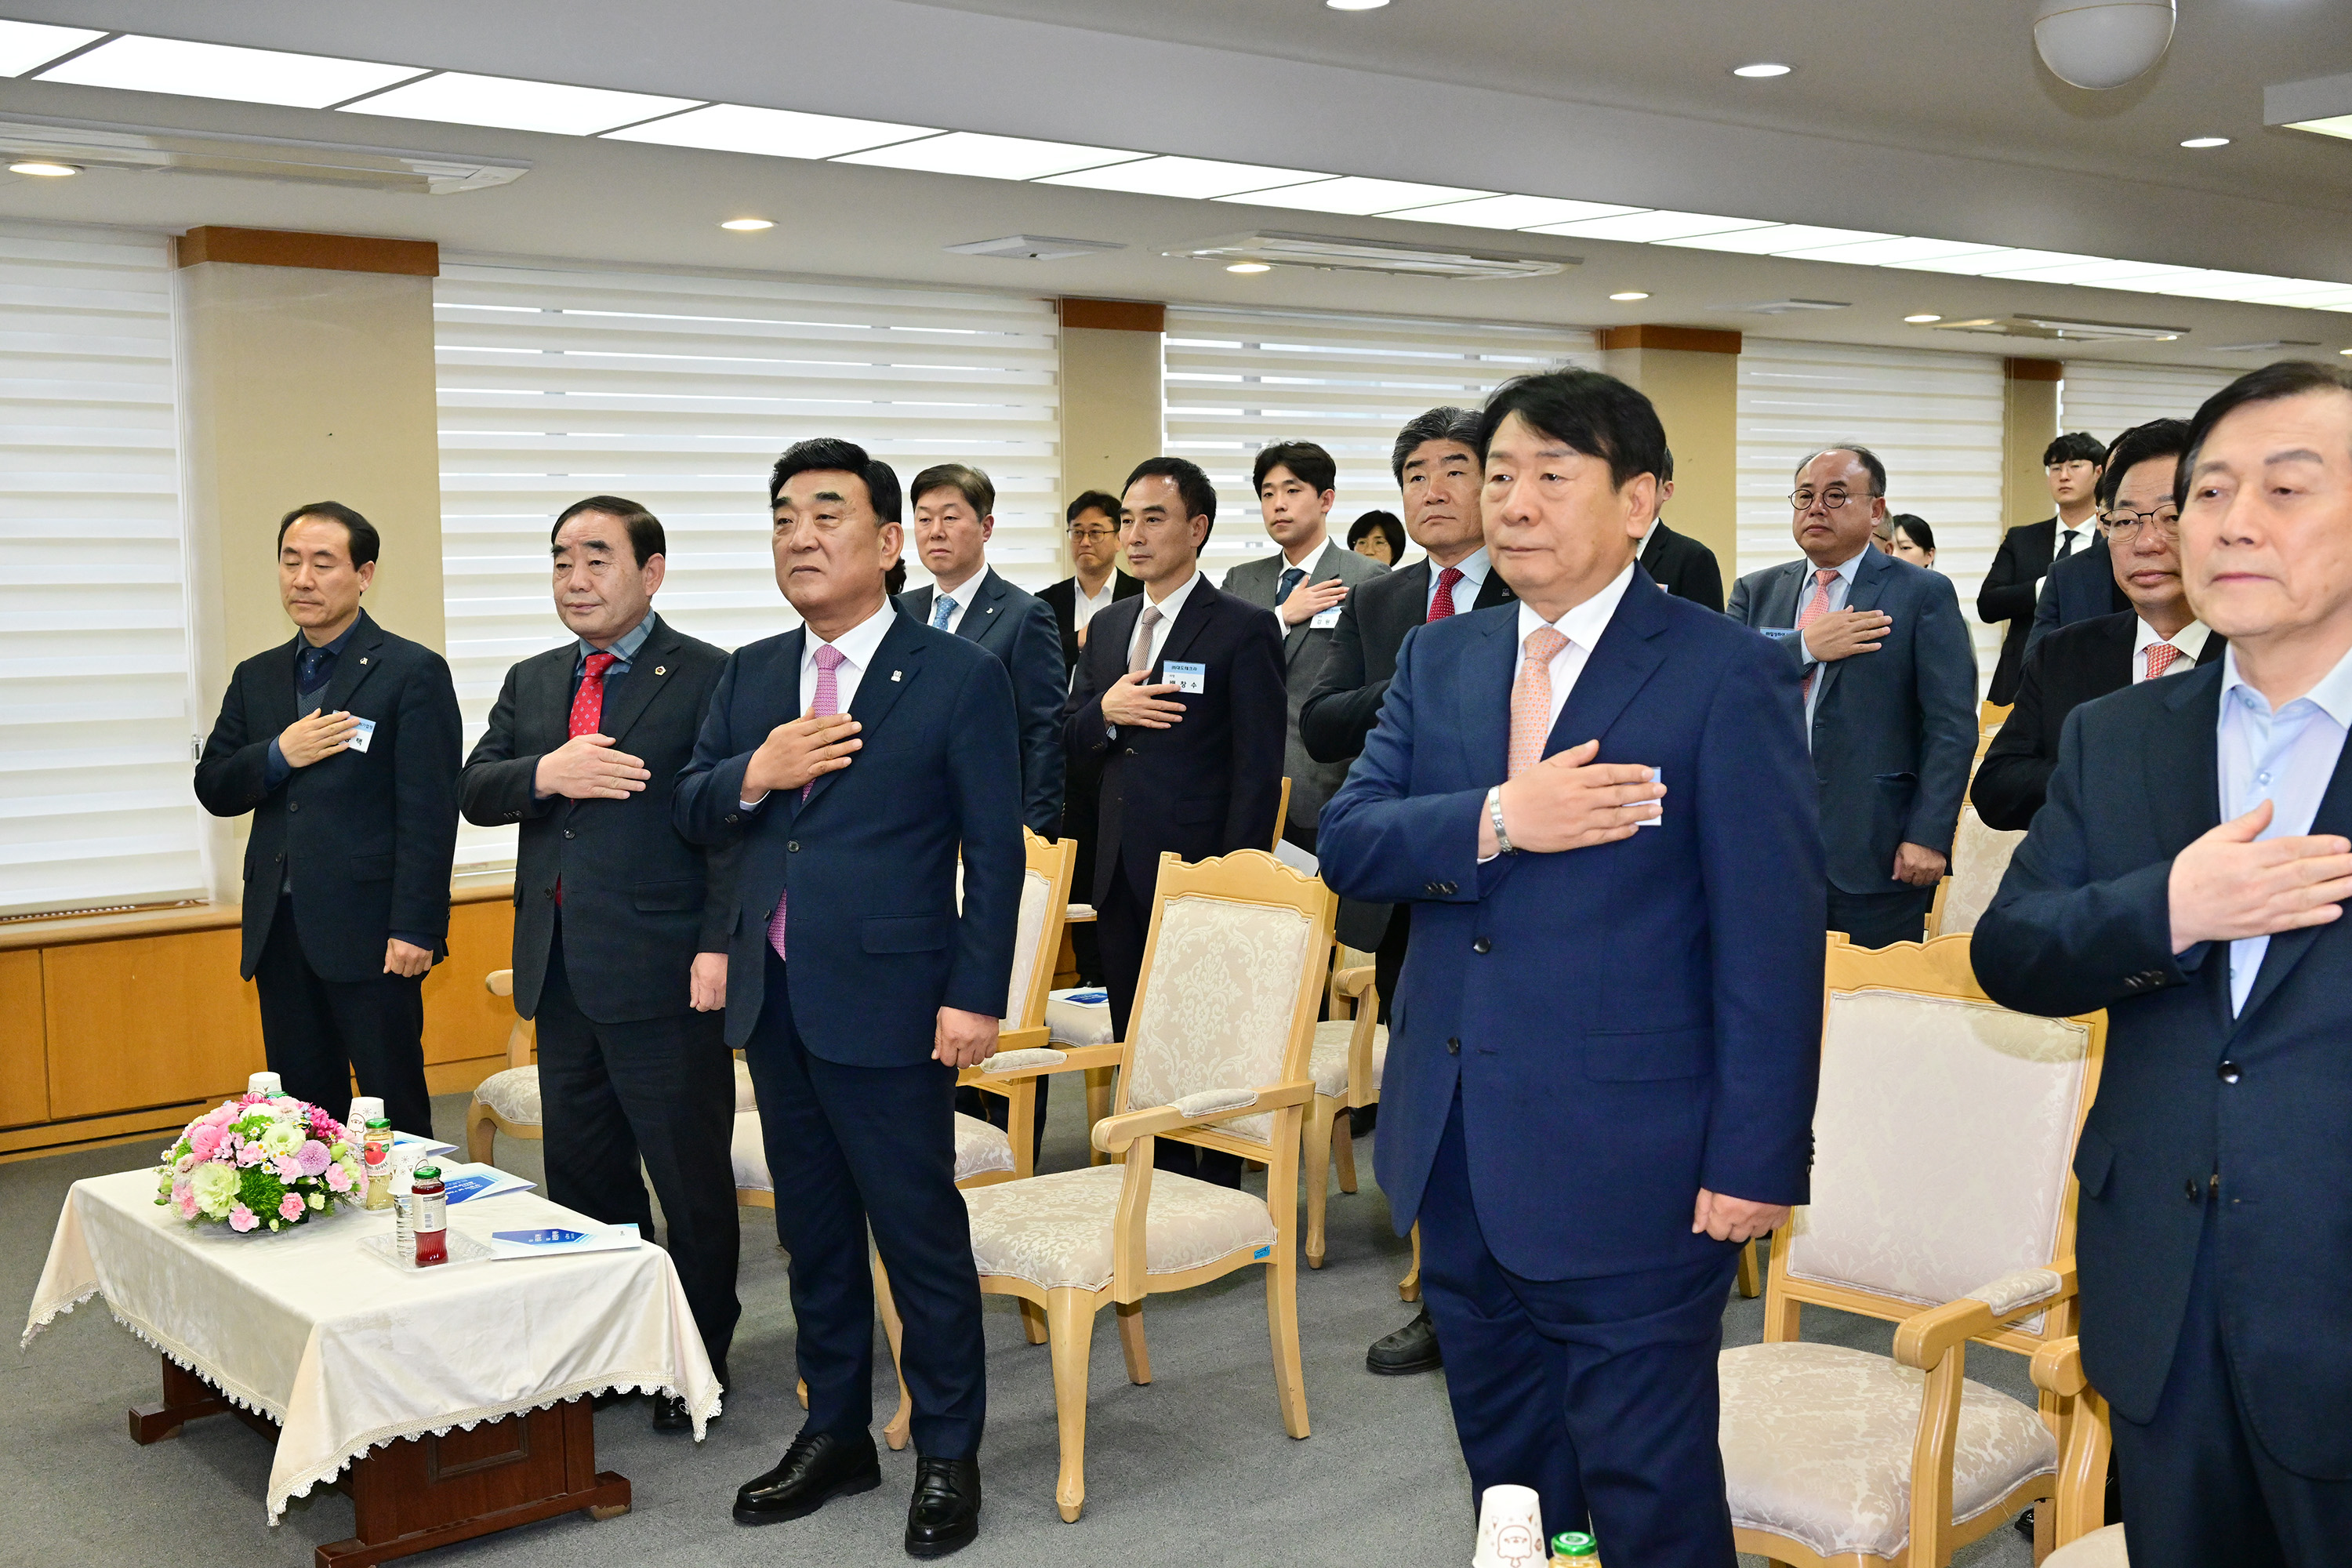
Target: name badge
<point>1191,678</point>
<point>1657,775</point>
<point>1323,621</point>
<point>363,735</point>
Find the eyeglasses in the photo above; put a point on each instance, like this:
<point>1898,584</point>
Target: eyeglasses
<point>1088,535</point>
<point>1830,500</point>
<point>2126,525</point>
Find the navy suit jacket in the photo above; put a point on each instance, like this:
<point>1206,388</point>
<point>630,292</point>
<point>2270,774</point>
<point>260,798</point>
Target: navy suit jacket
<point>1893,731</point>
<point>877,946</point>
<point>1624,1024</point>
<point>2083,921</point>
<point>1018,627</point>
<point>2080,588</point>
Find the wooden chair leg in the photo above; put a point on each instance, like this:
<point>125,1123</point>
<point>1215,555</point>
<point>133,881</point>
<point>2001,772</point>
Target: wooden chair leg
<point>1021,1127</point>
<point>1097,1107</point>
<point>481,1133</point>
<point>1750,1285</point>
<point>1131,1345</point>
<point>1315,1167</point>
<point>1343,1149</point>
<point>894,1434</point>
<point>1071,1315</point>
<point>800,1390</point>
<point>1282,1326</point>
<point>1032,1321</point>
<point>1409,1288</point>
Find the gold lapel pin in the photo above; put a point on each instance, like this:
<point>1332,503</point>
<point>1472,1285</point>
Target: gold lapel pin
<point>363,658</point>
<point>661,669</point>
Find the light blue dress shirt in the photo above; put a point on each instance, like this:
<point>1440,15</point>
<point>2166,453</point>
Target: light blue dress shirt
<point>623,649</point>
<point>2286,757</point>
<point>1841,586</point>
<point>1474,568</point>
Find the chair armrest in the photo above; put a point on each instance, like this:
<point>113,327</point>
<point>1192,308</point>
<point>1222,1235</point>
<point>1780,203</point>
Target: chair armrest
<point>500,983</point>
<point>1068,1058</point>
<point>2058,1367</point>
<point>1922,1338</point>
<point>1113,1134</point>
<point>1351,982</point>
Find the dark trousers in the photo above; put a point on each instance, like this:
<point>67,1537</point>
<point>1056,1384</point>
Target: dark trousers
<point>1300,835</point>
<point>1123,923</point>
<point>318,1032</point>
<point>1600,1394</point>
<point>2199,1485</point>
<point>661,1091</point>
<point>1880,920</point>
<point>850,1147</point>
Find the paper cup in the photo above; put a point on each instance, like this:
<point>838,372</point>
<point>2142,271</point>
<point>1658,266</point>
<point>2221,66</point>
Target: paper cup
<point>1510,1529</point>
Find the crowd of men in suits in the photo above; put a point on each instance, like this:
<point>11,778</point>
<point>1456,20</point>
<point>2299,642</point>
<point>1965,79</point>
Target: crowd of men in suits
<point>809,850</point>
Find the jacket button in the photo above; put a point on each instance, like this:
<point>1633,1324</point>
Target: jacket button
<point>732,819</point>
<point>1446,888</point>
<point>548,893</point>
<point>1453,1048</point>
<point>280,856</point>
<point>1483,945</point>
<point>1130,750</point>
<point>2227,1071</point>
<point>792,847</point>
<point>293,806</point>
<point>2196,1193</point>
<point>568,833</point>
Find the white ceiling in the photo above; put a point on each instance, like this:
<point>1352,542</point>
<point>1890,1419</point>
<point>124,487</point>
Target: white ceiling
<point>1930,120</point>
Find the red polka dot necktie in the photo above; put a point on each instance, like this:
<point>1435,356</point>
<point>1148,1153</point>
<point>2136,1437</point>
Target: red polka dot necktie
<point>588,711</point>
<point>2160,656</point>
<point>1440,604</point>
<point>826,702</point>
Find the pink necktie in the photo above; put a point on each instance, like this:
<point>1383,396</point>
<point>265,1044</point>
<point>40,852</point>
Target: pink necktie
<point>2160,656</point>
<point>1531,698</point>
<point>1815,609</point>
<point>1440,604</point>
<point>827,703</point>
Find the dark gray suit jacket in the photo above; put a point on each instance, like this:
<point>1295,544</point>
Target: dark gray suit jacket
<point>1305,649</point>
<point>1893,731</point>
<point>2080,588</point>
<point>640,901</point>
<point>1018,627</point>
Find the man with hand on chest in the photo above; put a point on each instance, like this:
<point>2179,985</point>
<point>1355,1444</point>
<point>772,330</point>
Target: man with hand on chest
<point>620,937</point>
<point>343,745</point>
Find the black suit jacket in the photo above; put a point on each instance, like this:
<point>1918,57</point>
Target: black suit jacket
<point>2071,665</point>
<point>1374,620</point>
<point>1684,567</point>
<point>1017,627</point>
<point>640,901</point>
<point>2008,594</point>
<point>367,837</point>
<point>2083,921</point>
<point>2081,587</point>
<point>1208,786</point>
<point>1062,598</point>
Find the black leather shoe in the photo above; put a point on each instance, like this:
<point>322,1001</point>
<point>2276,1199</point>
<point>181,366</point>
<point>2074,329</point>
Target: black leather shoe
<point>818,1467</point>
<point>670,1415</point>
<point>944,1516</point>
<point>1410,1349</point>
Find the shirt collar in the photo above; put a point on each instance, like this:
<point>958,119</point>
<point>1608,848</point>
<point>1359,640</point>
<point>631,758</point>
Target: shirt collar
<point>1584,624</point>
<point>2190,640</point>
<point>1313,563</point>
<point>1174,602</point>
<point>960,592</point>
<point>625,647</point>
<point>1648,534</point>
<point>1110,588</point>
<point>334,647</point>
<point>1473,567</point>
<point>1851,569</point>
<point>2332,696</point>
<point>858,643</point>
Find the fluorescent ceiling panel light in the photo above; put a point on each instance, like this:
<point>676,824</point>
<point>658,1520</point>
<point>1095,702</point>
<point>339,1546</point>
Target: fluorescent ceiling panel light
<point>2319,297</point>
<point>1885,252</point>
<point>1200,179</point>
<point>992,157</point>
<point>1984,264</point>
<point>218,71</point>
<point>1518,212</point>
<point>2244,287</point>
<point>2091,272</point>
<point>769,132</point>
<point>1355,198</point>
<point>24,45</point>
<point>1778,239</point>
<point>2322,105</point>
<point>1649,227</point>
<point>2334,125</point>
<point>457,98</point>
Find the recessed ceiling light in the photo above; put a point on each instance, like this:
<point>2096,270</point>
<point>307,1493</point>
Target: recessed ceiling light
<point>459,97</point>
<point>1630,294</point>
<point>1922,321</point>
<point>24,45</point>
<point>769,133</point>
<point>1262,267</point>
<point>1355,5</point>
<point>2202,141</point>
<point>748,225</point>
<point>219,70</point>
<point>1762,69</point>
<point>41,168</point>
<point>994,157</point>
<point>2344,351</point>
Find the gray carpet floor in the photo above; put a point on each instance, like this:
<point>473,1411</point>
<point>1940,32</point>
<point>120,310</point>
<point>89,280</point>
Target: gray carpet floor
<point>1194,1468</point>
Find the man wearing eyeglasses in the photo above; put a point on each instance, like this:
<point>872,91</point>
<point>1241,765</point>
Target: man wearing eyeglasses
<point>1890,695</point>
<point>2158,636</point>
<point>1076,599</point>
<point>2071,465</point>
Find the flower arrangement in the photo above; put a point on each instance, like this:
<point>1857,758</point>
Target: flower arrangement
<point>259,1161</point>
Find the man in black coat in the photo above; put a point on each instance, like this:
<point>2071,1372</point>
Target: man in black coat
<point>2080,588</point>
<point>620,935</point>
<point>346,902</point>
<point>2071,467</point>
<point>2090,659</point>
<point>1682,565</point>
<point>1098,583</point>
<point>1180,694</point>
<point>2188,876</point>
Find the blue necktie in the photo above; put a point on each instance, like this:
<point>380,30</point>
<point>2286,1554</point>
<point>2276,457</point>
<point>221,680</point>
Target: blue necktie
<point>942,609</point>
<point>1290,579</point>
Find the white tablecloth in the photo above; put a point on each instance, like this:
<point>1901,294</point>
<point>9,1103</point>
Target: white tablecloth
<point>345,1351</point>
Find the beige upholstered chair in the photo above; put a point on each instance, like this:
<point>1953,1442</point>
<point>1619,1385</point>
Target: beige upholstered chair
<point>1217,1055</point>
<point>508,1101</point>
<point>2081,1539</point>
<point>1980,858</point>
<point>1350,1051</point>
<point>1942,1201</point>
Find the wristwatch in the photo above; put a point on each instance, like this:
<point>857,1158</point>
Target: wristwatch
<point>1494,816</point>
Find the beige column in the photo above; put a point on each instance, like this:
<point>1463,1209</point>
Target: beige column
<point>306,369</point>
<point>2029,424</point>
<point>1692,376</point>
<point>1112,408</point>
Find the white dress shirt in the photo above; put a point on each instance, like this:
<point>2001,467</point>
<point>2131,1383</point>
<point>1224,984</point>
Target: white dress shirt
<point>1582,628</point>
<point>2188,642</point>
<point>1170,608</point>
<point>2070,540</point>
<point>962,594</point>
<point>1084,606</point>
<point>1474,568</point>
<point>857,645</point>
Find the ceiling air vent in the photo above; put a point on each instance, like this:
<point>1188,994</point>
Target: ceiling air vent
<point>2050,327</point>
<point>1785,307</point>
<point>1337,253</point>
<point>1034,248</point>
<point>152,150</point>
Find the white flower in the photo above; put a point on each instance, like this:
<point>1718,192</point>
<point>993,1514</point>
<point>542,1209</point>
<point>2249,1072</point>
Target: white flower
<point>216,1188</point>
<point>285,1138</point>
<point>316,1200</point>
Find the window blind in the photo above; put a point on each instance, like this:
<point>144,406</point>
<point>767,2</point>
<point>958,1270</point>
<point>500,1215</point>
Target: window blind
<point>678,391</point>
<point>97,802</point>
<point>2108,399</point>
<point>1237,380</point>
<point>1934,418</point>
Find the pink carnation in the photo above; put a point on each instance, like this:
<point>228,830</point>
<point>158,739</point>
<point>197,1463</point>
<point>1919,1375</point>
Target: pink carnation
<point>339,1180</point>
<point>183,1200</point>
<point>242,1218</point>
<point>286,1168</point>
<point>251,1155</point>
<point>289,1207</point>
<point>204,1140</point>
<point>218,1116</point>
<point>314,1158</point>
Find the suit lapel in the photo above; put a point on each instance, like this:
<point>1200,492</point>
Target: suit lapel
<point>1198,606</point>
<point>2287,948</point>
<point>649,673</point>
<point>1620,663</point>
<point>1484,698</point>
<point>898,663</point>
<point>354,665</point>
<point>1494,591</point>
<point>1869,582</point>
<point>980,617</point>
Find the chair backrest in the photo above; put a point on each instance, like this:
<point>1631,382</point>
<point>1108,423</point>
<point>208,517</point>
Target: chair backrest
<point>1980,858</point>
<point>1232,974</point>
<point>1943,1135</point>
<point>1044,910</point>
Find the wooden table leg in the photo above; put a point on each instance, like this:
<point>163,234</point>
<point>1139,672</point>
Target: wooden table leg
<point>187,1398</point>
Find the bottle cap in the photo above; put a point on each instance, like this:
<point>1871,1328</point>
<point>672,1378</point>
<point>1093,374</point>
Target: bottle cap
<point>428,1173</point>
<point>375,1122</point>
<point>1573,1543</point>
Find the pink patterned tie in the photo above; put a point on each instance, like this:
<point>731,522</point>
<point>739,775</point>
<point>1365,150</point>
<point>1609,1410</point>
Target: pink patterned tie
<point>828,702</point>
<point>1815,609</point>
<point>2160,656</point>
<point>1531,698</point>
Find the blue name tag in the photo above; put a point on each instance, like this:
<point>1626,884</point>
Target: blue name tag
<point>540,1238</point>
<point>364,734</point>
<point>1191,678</point>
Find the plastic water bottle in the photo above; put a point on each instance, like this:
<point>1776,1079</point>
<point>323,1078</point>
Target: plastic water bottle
<point>403,1208</point>
<point>1574,1549</point>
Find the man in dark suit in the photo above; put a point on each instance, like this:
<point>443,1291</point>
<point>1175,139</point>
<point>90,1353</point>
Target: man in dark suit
<point>620,934</point>
<point>1097,583</point>
<point>1180,694</point>
<point>1305,585</point>
<point>2188,876</point>
<point>954,508</point>
<point>1599,801</point>
<point>1890,687</point>
<point>343,745</point>
<point>1675,562</point>
<point>2161,634</point>
<point>2071,467</point>
<point>854,758</point>
<point>2080,588</point>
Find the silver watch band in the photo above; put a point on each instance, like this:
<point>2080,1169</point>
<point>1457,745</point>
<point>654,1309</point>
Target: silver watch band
<point>1494,816</point>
